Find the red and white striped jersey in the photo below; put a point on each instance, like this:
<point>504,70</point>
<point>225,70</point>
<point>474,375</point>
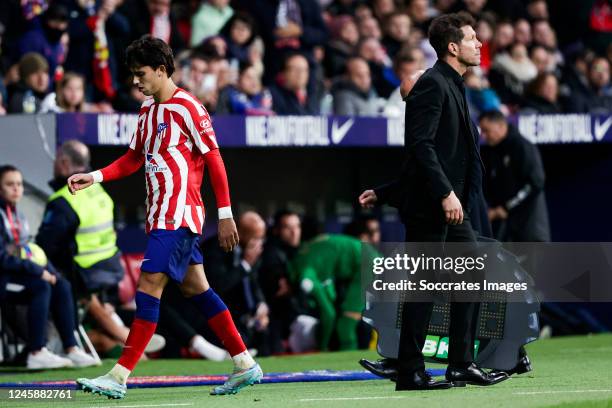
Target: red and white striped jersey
<point>173,136</point>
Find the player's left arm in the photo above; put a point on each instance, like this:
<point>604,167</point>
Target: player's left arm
<point>203,135</point>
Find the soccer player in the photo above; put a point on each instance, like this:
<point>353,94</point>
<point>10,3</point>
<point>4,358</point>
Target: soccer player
<point>175,141</point>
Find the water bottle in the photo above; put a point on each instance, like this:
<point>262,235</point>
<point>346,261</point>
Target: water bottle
<point>29,102</point>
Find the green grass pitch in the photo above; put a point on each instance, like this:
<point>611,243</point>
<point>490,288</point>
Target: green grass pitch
<point>568,372</point>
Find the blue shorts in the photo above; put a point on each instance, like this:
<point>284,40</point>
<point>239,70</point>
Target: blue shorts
<point>171,252</point>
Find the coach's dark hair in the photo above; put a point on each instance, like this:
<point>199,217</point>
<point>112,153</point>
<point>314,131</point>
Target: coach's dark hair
<point>493,116</point>
<point>446,29</point>
<point>150,51</point>
<point>7,168</point>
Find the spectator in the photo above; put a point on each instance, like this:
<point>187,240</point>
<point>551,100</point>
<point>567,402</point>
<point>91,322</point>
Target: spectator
<point>284,239</point>
<point>502,38</point>
<point>209,19</point>
<point>474,7</point>
<point>234,275</point>
<point>542,94</point>
<point>289,94</point>
<point>27,95</point>
<point>363,11</point>
<point>575,87</point>
<point>599,36</point>
<point>289,26</point>
<point>522,32</point>
<point>484,32</point>
<point>381,68</point>
<point>383,8</point>
<point>97,38</point>
<point>365,228</point>
<point>599,79</point>
<point>156,18</point>
<point>342,45</point>
<point>44,290</point>
<point>343,7</point>
<point>247,97</point>
<point>542,58</point>
<point>480,96</point>
<point>537,9</point>
<point>369,28</point>
<point>420,13</point>
<point>70,95</point>
<point>406,65</point>
<point>397,32</point>
<point>511,71</point>
<point>543,34</point>
<point>239,35</point>
<point>514,183</point>
<point>355,95</point>
<point>90,258</point>
<point>45,38</point>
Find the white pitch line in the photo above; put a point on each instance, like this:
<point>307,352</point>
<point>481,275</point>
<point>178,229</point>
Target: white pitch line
<point>348,398</point>
<point>151,405</point>
<point>559,392</point>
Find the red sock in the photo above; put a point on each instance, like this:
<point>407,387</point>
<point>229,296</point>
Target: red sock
<point>223,326</point>
<point>141,332</point>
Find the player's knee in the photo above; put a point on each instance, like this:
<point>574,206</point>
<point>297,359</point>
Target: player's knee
<point>152,283</point>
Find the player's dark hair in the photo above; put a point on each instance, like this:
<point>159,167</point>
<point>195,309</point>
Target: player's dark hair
<point>150,51</point>
<point>493,116</point>
<point>7,168</point>
<point>446,29</point>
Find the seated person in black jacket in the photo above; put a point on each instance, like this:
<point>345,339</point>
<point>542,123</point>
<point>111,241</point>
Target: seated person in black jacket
<point>233,275</point>
<point>283,242</point>
<point>24,268</point>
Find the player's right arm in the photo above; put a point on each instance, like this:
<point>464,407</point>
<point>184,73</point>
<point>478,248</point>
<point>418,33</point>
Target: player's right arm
<point>125,165</point>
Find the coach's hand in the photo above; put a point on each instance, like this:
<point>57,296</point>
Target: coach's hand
<point>79,181</point>
<point>368,199</point>
<point>228,234</point>
<point>452,209</point>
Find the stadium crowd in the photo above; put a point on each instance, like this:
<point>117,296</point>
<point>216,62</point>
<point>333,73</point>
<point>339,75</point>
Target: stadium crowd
<point>297,57</point>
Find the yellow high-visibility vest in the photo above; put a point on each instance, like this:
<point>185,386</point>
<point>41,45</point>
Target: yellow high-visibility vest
<point>95,238</point>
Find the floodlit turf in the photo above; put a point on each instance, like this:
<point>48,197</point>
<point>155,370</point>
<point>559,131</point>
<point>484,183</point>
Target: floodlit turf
<point>568,372</point>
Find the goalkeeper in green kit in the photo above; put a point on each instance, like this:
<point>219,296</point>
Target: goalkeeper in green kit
<point>328,271</point>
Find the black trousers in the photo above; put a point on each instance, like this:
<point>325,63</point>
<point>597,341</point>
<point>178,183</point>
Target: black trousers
<point>416,315</point>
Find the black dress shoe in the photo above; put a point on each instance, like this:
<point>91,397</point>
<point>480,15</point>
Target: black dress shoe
<point>385,368</point>
<point>420,381</point>
<point>522,367</point>
<point>473,375</point>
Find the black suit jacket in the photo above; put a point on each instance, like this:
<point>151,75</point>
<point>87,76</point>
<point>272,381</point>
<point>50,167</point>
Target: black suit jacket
<point>441,145</point>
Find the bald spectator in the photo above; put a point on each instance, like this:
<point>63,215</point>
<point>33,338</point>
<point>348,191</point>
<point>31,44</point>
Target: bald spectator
<point>355,95</point>
<point>26,96</point>
<point>289,94</point>
<point>407,65</point>
<point>234,275</point>
<point>522,32</point>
